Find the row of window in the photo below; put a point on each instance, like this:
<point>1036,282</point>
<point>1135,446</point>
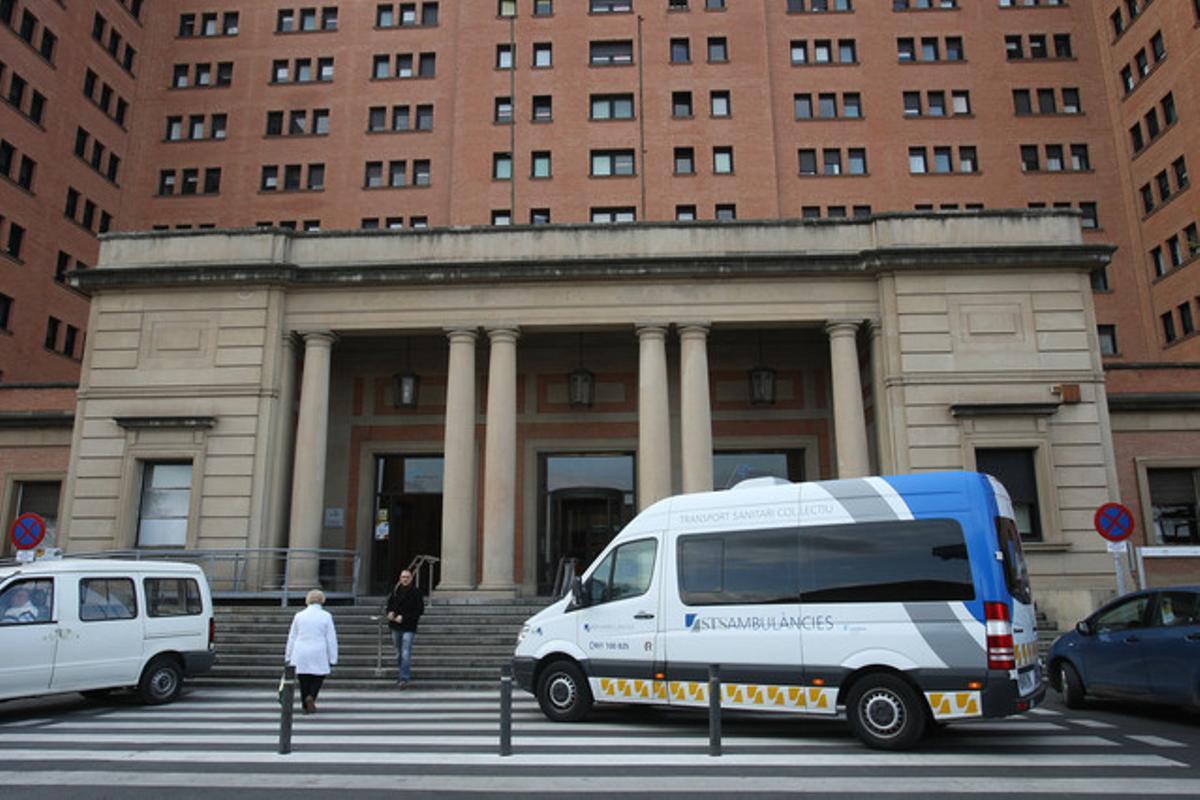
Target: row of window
<point>93,152</point>
<point>300,70</point>
<point>295,178</point>
<point>1036,46</point>
<point>394,223</point>
<point>1187,322</point>
<point>1162,183</point>
<point>290,20</point>
<point>15,94</point>
<point>385,66</point>
<point>1059,158</point>
<point>66,263</point>
<point>824,51</point>
<point>396,174</point>
<point>1125,14</point>
<point>1090,211</point>
<point>209,23</point>
<point>1133,74</point>
<point>404,15</point>
<point>12,238</point>
<point>28,29</point>
<point>401,118</point>
<point>1153,128</point>
<point>933,103</point>
<point>31,601</point>
<point>187,181</point>
<point>920,163</point>
<point>197,127</point>
<point>102,96</point>
<point>108,37</point>
<point>831,161</point>
<point>1176,251</point>
<point>1048,101</point>
<point>19,171</point>
<point>85,214</point>
<point>70,337</point>
<point>202,75</point>
<point>287,224</point>
<point>300,122</point>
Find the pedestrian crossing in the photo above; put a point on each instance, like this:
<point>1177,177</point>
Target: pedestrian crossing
<point>429,741</point>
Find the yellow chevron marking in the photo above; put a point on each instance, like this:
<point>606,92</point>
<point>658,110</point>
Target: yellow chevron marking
<point>972,708</point>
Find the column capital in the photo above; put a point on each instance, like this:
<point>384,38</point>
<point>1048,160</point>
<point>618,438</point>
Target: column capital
<point>688,330</point>
<point>503,333</point>
<point>461,333</point>
<point>651,330</point>
<point>317,338</point>
<point>842,327</point>
<point>875,326</point>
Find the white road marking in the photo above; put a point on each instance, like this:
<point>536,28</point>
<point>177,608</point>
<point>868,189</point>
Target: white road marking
<point>1091,723</point>
<point>1155,741</point>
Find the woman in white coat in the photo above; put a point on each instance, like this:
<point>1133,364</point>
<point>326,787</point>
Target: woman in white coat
<point>312,647</point>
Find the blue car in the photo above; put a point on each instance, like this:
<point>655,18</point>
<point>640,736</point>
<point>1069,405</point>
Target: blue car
<point>1144,646</point>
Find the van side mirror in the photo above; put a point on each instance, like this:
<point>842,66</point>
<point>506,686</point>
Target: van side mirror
<point>578,597</point>
<point>1083,627</point>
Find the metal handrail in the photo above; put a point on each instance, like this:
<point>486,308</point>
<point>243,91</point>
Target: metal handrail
<point>564,574</point>
<point>422,560</point>
<point>252,573</point>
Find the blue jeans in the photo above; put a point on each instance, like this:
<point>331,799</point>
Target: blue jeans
<point>403,641</point>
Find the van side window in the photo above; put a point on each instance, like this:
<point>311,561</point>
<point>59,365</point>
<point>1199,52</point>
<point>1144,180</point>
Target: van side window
<point>106,598</point>
<point>625,572</point>
<point>901,561</point>
<point>172,597</point>
<point>28,601</point>
<point>747,567</point>
<point>1016,572</point>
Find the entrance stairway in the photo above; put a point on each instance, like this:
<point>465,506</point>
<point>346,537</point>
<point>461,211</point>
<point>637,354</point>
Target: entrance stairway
<point>458,645</point>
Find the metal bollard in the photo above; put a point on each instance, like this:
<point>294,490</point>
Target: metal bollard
<point>285,715</point>
<point>506,682</point>
<point>714,710</point>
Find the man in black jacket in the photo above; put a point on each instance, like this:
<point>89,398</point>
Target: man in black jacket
<point>404,609</point>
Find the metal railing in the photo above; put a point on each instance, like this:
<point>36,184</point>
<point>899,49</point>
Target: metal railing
<point>564,575</point>
<point>427,561</point>
<point>262,573</point>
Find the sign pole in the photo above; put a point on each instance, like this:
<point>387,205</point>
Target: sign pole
<point>1114,522</point>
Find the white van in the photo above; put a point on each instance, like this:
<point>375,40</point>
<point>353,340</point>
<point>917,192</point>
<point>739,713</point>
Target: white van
<point>91,626</point>
<point>895,601</point>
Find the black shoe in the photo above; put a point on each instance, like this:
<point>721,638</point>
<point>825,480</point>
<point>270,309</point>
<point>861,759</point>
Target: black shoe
<point>310,705</point>
<point>401,684</point>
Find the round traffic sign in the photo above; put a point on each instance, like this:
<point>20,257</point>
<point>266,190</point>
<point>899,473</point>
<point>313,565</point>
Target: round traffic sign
<point>1114,522</point>
<point>27,531</point>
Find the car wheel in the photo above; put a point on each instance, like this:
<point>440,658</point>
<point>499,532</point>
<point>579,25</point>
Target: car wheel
<point>161,681</point>
<point>886,713</point>
<point>1070,685</point>
<point>563,692</point>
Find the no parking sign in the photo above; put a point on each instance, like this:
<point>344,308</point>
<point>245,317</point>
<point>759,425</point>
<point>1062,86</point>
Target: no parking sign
<point>1114,522</point>
<point>27,531</point>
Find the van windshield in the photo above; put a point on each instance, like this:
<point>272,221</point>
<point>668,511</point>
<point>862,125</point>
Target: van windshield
<point>1016,572</point>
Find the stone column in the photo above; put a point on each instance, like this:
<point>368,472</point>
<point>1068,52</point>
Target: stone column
<point>695,409</point>
<point>850,428</point>
<point>308,476</point>
<point>883,421</point>
<point>281,448</point>
<point>654,433</point>
<point>500,462</point>
<point>458,471</point>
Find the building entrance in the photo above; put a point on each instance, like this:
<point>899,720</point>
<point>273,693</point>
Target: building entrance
<point>408,517</point>
<point>585,501</point>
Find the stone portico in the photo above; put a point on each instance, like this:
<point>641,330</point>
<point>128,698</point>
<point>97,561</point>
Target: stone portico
<point>264,360</point>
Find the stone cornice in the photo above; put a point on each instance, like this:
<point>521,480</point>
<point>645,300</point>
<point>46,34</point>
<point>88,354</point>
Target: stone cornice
<point>866,264</point>
<point>132,423</point>
<point>1003,409</point>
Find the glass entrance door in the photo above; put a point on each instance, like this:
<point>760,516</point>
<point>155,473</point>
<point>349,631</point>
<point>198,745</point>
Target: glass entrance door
<point>408,517</point>
<point>585,501</point>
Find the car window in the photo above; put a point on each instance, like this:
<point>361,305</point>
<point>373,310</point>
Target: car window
<point>625,572</point>
<point>1128,614</point>
<point>28,601</point>
<point>1178,608</point>
<point>172,597</point>
<point>106,598</point>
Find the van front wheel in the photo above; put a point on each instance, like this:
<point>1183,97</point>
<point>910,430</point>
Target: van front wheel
<point>563,692</point>
<point>161,681</point>
<point>885,713</point>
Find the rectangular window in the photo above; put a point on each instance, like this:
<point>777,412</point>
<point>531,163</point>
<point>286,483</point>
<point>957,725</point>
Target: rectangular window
<point>164,504</point>
<point>611,52</point>
<point>685,161</point>
<point>539,164</point>
<point>1015,468</point>
<point>612,106</point>
<point>172,597</point>
<point>1168,327</point>
<point>612,162</point>
<point>502,166</point>
<point>718,48</point>
<point>1107,334</point>
<point>106,598</point>
<point>1173,502</point>
<point>722,160</point>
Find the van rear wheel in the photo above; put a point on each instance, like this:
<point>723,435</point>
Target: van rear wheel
<point>563,692</point>
<point>161,681</point>
<point>885,713</point>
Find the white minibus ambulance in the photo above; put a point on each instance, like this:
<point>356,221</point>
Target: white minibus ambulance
<point>94,625</point>
<point>897,601</point>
